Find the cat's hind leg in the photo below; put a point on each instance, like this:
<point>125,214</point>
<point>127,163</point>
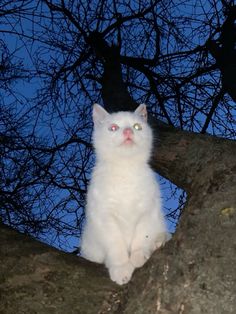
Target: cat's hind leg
<point>149,235</point>
<point>90,248</point>
<point>138,253</point>
<point>161,239</point>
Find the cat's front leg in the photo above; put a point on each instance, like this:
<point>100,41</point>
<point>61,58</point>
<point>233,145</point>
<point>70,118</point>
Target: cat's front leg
<point>117,256</point>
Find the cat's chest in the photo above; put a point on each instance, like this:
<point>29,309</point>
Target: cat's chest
<point>124,186</point>
<point>122,177</point>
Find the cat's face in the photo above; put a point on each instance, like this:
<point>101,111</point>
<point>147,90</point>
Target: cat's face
<point>121,134</point>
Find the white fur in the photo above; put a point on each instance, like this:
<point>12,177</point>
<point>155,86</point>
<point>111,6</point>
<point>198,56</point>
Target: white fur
<point>124,221</point>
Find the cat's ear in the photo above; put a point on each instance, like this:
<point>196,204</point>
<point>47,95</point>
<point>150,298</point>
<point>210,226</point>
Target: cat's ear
<point>142,111</point>
<point>99,114</point>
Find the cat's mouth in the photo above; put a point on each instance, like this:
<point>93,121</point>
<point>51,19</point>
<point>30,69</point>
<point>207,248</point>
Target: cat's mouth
<point>128,141</point>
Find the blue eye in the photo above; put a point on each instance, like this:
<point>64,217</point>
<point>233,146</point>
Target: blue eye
<point>113,127</point>
<point>137,126</point>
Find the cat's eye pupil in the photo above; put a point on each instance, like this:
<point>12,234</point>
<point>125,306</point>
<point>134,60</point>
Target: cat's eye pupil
<point>113,127</point>
<point>137,126</point>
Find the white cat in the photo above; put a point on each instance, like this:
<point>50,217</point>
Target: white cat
<point>124,221</point>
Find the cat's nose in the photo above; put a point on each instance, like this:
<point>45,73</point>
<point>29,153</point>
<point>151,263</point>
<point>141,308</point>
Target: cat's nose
<point>128,132</point>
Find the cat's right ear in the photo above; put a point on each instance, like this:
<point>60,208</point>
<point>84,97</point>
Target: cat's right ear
<point>99,114</point>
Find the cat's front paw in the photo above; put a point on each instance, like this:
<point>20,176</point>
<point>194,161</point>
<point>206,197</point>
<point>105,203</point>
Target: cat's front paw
<point>138,258</point>
<point>121,274</point>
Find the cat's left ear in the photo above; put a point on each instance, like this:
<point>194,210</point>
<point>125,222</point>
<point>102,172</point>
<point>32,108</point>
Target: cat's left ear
<point>99,114</point>
<point>142,111</point>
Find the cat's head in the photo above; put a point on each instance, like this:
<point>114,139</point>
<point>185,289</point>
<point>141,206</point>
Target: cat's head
<point>122,134</point>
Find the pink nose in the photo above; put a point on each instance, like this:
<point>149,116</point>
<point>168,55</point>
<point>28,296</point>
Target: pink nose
<point>128,132</point>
